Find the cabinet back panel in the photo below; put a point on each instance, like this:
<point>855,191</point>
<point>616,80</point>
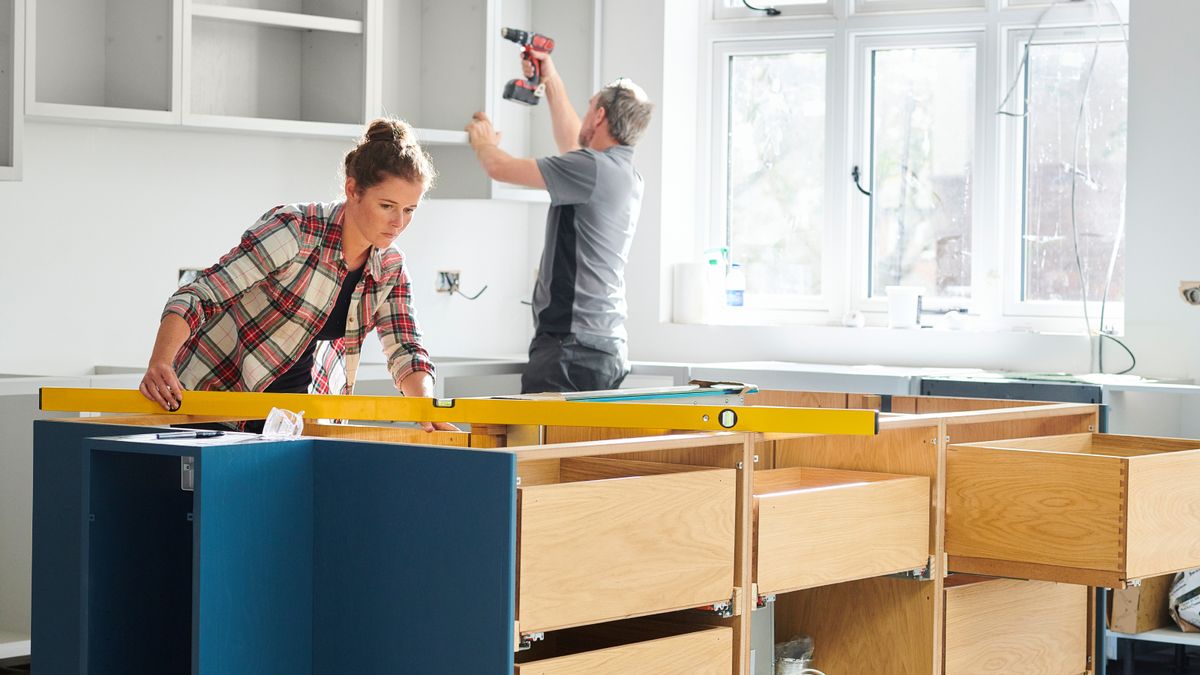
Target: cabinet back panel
<point>125,65</point>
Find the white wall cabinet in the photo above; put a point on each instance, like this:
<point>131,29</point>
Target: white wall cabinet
<point>12,58</point>
<point>307,67</point>
<point>275,66</point>
<point>526,132</point>
<point>103,60</point>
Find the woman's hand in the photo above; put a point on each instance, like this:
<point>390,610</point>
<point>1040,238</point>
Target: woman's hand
<point>420,384</point>
<point>161,385</point>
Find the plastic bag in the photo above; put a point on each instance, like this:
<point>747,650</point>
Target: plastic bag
<point>794,657</point>
<point>1183,600</point>
<point>283,425</point>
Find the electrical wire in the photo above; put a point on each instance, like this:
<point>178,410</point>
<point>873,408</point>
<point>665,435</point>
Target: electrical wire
<point>769,11</point>
<point>1101,333</point>
<point>1023,68</point>
<point>1083,97</point>
<point>456,289</point>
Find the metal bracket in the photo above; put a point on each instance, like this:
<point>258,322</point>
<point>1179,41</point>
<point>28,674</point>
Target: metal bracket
<point>723,609</point>
<point>527,640</point>
<point>762,600</point>
<point>919,574</point>
<point>1133,582</point>
<point>187,474</point>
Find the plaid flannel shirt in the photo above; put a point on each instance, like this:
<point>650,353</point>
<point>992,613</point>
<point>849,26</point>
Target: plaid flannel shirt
<point>253,313</point>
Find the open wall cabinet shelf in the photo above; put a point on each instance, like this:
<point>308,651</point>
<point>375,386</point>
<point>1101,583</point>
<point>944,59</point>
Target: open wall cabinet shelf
<point>316,68</point>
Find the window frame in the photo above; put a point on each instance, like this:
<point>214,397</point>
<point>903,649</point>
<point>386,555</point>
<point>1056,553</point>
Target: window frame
<point>878,6</point>
<point>735,9</point>
<point>862,147</point>
<point>1012,190</point>
<point>719,150</point>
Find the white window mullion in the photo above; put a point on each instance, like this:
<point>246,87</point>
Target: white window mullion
<point>987,223</point>
<point>837,267</point>
<point>857,226</point>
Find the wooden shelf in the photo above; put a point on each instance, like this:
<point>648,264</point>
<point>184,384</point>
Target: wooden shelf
<point>266,17</point>
<point>441,137</point>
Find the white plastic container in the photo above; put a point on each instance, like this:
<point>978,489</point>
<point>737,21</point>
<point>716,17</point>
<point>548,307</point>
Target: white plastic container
<point>691,287</point>
<point>904,306</point>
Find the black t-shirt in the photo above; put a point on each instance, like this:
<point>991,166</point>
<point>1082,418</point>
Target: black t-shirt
<point>297,378</point>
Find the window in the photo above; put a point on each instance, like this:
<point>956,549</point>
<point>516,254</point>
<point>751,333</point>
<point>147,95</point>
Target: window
<point>774,197</point>
<point>922,138</point>
<point>1073,134</point>
<point>952,196</point>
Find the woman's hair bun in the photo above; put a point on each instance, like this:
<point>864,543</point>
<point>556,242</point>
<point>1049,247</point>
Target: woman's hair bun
<point>389,131</point>
<point>389,148</point>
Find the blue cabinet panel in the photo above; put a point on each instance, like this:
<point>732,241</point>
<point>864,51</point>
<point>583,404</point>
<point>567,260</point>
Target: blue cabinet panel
<point>309,556</point>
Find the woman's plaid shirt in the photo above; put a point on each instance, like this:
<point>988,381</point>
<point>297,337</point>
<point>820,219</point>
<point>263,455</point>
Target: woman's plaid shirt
<point>253,313</point>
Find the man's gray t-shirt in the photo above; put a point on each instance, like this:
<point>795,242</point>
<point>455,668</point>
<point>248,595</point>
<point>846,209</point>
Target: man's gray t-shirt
<point>595,198</point>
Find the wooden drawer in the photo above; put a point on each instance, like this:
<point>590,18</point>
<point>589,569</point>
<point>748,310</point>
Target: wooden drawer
<point>628,647</point>
<point>814,527</point>
<point>1094,509</point>
<point>605,539</point>
<point>1012,627</point>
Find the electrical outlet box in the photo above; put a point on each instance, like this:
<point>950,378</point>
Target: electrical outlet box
<point>447,281</point>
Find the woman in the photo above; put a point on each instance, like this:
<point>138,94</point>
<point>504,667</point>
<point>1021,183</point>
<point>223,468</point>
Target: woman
<point>287,309</point>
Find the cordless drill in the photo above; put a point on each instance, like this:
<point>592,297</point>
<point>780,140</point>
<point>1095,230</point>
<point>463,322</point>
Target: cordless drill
<point>530,90</point>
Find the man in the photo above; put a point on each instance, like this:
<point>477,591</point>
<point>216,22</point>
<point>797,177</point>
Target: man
<point>595,196</point>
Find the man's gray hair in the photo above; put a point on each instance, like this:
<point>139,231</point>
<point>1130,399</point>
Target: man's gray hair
<point>626,108</point>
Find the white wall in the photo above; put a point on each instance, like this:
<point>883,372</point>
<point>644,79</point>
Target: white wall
<point>1162,240</point>
<point>105,216</point>
<point>1163,235</point>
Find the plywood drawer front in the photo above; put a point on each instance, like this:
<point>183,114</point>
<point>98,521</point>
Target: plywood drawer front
<point>1011,627</point>
<point>708,651</point>
<point>822,526</point>
<point>1164,514</point>
<point>1081,508</point>
<point>605,549</point>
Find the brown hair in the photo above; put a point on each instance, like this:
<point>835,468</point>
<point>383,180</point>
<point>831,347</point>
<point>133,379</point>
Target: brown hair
<point>626,108</point>
<point>389,148</point>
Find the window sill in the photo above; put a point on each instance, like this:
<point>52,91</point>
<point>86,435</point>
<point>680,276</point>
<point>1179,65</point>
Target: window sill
<point>753,317</point>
